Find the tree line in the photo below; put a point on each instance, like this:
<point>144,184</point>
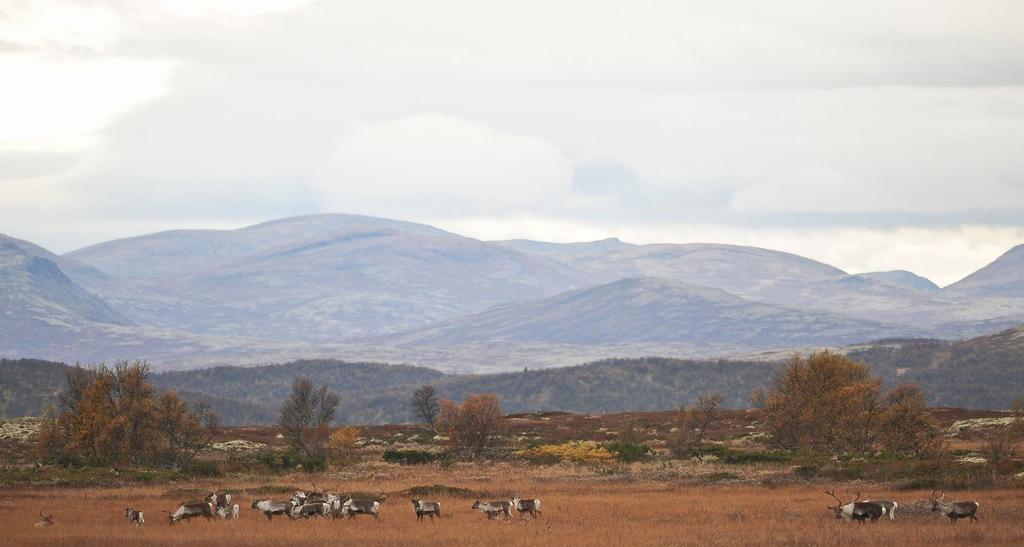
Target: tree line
<point>823,402</point>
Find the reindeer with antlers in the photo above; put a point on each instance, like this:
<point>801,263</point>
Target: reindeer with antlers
<point>44,520</point>
<point>855,510</point>
<point>955,510</point>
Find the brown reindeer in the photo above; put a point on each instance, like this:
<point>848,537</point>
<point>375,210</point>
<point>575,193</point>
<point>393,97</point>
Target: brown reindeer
<point>45,520</point>
<point>955,510</point>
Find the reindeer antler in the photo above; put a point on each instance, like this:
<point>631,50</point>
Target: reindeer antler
<point>832,493</point>
<point>855,498</point>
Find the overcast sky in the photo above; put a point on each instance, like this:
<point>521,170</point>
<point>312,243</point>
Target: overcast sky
<point>869,135</point>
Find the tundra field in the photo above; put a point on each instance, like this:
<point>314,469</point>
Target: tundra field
<point>576,511</point>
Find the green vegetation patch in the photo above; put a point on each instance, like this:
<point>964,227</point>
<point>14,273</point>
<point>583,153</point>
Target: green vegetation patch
<point>410,457</point>
<point>627,452</point>
<point>436,490</point>
<point>746,457</point>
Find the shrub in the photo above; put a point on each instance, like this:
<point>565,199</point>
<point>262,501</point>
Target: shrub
<point>743,457</point>
<point>115,417</point>
<point>628,452</point>
<point>203,468</point>
<point>474,427</point>
<point>341,445</point>
<point>409,457</point>
<point>828,402</point>
<point>693,426</point>
<point>589,452</point>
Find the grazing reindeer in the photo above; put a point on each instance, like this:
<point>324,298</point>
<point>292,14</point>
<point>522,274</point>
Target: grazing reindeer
<point>44,520</point>
<point>190,510</point>
<point>955,509</point>
<point>134,517</point>
<point>228,512</point>
<point>494,508</point>
<point>531,506</point>
<point>313,509</point>
<point>889,506</point>
<point>855,510</point>
<point>271,508</point>
<point>429,508</point>
<point>219,501</point>
<point>352,507</point>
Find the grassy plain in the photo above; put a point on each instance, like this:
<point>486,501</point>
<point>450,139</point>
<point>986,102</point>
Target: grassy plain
<point>578,509</point>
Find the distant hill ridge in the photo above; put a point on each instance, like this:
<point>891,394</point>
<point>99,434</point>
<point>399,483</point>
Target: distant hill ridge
<point>981,373</point>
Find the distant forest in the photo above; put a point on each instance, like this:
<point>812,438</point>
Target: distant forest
<point>375,393</point>
<point>982,373</point>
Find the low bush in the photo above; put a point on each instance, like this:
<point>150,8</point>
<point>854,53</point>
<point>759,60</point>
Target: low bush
<point>409,457</point>
<point>743,457</point>
<point>588,452</point>
<point>203,468</point>
<point>628,452</point>
<point>290,460</point>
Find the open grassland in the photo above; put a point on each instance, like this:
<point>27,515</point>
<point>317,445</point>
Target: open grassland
<point>577,510</point>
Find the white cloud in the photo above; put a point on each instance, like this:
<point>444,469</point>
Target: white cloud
<point>431,165</point>
<point>61,104</point>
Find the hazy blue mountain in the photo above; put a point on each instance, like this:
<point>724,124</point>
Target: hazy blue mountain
<point>1004,277</point>
<point>566,251</point>
<point>34,287</point>
<point>39,305</point>
<point>650,310</point>
<point>743,271</point>
<point>376,289</point>
<point>319,278</point>
<point>903,279</point>
<point>772,277</point>
<point>185,252</point>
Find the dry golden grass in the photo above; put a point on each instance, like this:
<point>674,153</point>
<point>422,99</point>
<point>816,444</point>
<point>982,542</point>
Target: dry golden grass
<point>578,510</point>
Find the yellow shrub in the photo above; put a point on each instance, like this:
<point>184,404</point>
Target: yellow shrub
<point>341,446</point>
<point>574,451</point>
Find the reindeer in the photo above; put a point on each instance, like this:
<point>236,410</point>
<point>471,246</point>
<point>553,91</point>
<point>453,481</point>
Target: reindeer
<point>44,520</point>
<point>855,510</point>
<point>189,510</point>
<point>955,510</point>
<point>302,498</point>
<point>429,508</point>
<point>312,509</point>
<point>220,500</point>
<point>494,508</point>
<point>271,508</point>
<point>890,507</point>
<point>531,506</point>
<point>228,512</point>
<point>134,517</point>
<point>352,507</point>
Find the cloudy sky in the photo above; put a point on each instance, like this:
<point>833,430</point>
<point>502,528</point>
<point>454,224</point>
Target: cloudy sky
<point>870,135</point>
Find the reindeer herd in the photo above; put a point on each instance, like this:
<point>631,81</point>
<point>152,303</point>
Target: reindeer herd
<point>874,509</point>
<point>329,505</point>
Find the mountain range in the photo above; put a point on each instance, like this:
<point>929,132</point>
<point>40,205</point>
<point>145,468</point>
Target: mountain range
<point>365,288</point>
